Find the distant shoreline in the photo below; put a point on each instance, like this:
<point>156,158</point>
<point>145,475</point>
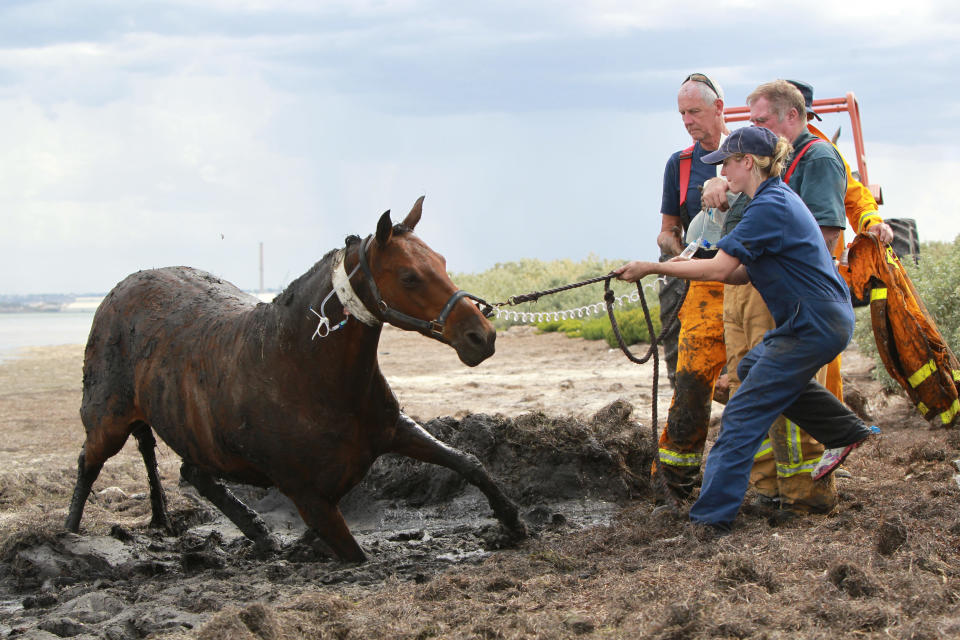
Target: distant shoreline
<point>78,304</point>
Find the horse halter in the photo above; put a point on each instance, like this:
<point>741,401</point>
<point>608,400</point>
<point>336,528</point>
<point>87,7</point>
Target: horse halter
<point>430,328</point>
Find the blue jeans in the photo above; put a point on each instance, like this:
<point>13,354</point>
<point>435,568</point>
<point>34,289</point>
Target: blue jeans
<point>777,377</point>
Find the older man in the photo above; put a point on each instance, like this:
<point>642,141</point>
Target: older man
<point>700,348</point>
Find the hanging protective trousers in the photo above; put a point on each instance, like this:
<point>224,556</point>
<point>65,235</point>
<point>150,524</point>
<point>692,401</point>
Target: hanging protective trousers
<point>909,343</point>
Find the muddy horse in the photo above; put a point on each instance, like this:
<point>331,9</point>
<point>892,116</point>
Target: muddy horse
<point>267,394</point>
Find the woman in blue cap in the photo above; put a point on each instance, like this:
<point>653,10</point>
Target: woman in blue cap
<point>779,248</point>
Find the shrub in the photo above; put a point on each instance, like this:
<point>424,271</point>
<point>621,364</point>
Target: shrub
<point>570,327</point>
<point>633,326</point>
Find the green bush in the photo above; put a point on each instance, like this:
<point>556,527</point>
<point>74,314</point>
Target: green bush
<point>937,280</point>
<point>570,327</point>
<point>595,328</point>
<point>633,326</point>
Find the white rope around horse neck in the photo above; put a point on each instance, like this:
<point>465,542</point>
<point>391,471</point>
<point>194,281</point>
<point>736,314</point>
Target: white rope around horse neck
<point>352,304</point>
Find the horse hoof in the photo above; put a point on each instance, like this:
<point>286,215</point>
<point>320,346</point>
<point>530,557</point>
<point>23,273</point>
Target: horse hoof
<point>267,546</point>
<point>518,531</point>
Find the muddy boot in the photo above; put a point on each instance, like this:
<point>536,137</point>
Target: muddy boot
<point>672,485</point>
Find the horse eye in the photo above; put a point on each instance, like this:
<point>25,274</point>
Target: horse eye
<point>410,280</point>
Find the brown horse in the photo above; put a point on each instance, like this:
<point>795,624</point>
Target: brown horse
<point>260,394</point>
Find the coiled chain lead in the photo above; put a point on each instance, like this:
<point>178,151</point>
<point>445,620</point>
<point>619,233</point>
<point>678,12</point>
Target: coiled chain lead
<point>536,317</point>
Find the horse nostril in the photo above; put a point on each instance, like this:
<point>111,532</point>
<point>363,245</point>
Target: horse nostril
<point>475,339</point>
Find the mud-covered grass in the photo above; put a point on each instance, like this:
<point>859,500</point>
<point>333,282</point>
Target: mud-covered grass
<point>884,564</point>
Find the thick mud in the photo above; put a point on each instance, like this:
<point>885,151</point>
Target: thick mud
<point>413,519</point>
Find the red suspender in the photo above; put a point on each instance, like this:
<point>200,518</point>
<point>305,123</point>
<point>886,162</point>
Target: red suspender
<point>796,160</point>
<point>686,160</point>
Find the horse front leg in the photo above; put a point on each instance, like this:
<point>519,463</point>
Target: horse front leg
<point>416,442</point>
<point>326,521</point>
<point>106,435</point>
<point>246,519</point>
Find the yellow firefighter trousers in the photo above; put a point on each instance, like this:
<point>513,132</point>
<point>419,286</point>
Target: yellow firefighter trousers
<point>700,358</point>
<point>783,464</point>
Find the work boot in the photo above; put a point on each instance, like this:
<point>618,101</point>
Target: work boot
<point>672,485</point>
<point>708,532</point>
<point>803,494</point>
<point>766,502</point>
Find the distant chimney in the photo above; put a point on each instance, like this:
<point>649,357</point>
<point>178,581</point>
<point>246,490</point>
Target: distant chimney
<point>261,267</point>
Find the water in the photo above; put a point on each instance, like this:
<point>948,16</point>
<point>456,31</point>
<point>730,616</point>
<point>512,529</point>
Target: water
<point>18,330</point>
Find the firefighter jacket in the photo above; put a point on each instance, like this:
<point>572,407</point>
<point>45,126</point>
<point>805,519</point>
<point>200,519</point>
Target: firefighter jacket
<point>910,345</point>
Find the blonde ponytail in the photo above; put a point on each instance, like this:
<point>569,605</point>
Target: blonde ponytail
<point>769,166</point>
<point>781,154</point>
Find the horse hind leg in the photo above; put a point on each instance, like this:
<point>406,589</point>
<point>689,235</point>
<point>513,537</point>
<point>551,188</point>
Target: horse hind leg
<point>103,440</point>
<point>86,475</point>
<point>158,500</point>
<point>246,519</point>
<point>416,442</point>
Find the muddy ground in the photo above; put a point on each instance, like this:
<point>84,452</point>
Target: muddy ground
<point>564,426</point>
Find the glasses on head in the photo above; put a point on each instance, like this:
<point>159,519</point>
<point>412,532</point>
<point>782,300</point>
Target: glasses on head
<point>703,79</point>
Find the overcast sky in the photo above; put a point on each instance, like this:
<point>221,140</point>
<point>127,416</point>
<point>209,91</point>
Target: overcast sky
<point>147,134</point>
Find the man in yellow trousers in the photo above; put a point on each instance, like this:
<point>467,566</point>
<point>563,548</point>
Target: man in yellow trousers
<point>700,349</point>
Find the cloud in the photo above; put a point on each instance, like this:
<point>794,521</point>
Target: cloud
<point>140,133</point>
<point>912,178</point>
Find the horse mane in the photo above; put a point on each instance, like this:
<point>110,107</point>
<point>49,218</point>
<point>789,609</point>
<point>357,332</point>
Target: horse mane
<point>287,296</point>
<point>295,288</point>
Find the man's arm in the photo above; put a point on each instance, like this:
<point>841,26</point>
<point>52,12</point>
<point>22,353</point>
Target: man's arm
<point>714,194</point>
<point>822,186</point>
<point>859,203</point>
<point>830,236</point>
<point>669,239</point>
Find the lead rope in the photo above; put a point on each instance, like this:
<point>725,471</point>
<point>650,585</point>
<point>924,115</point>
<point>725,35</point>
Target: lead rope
<point>609,299</point>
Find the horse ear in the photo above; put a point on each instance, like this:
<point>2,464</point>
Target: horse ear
<point>414,216</point>
<point>384,229</point>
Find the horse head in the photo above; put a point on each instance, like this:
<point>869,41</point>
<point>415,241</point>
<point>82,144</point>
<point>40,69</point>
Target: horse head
<point>414,292</point>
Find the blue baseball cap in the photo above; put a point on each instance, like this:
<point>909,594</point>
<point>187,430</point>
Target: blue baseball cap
<point>756,140</point>
<point>807,91</point>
